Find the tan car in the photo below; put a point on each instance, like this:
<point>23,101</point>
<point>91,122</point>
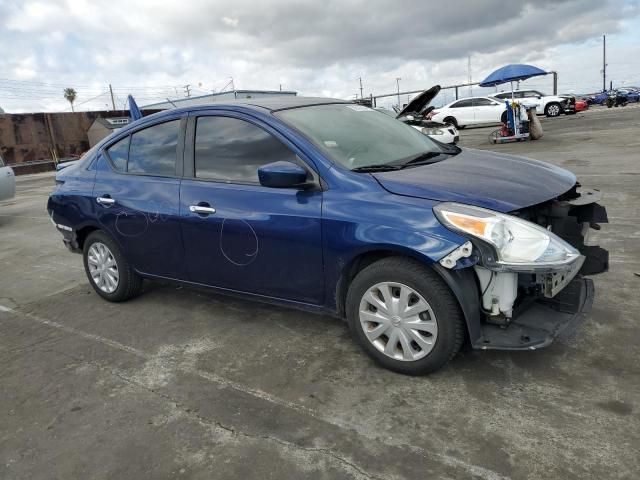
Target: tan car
<point>7,181</point>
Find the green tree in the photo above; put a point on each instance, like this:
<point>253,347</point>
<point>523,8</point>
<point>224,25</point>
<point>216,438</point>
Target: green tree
<point>70,94</point>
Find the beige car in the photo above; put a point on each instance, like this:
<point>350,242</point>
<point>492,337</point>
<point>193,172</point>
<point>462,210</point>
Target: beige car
<point>7,181</point>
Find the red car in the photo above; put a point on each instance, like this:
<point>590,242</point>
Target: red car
<point>581,105</point>
<point>574,104</point>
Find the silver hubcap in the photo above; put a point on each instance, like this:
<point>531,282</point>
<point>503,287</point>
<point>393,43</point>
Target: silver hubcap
<point>398,321</point>
<point>554,110</point>
<point>103,267</point>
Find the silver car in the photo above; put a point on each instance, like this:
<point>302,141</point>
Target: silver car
<point>7,181</point>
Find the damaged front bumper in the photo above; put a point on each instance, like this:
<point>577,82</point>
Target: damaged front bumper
<point>525,310</point>
<point>542,320</point>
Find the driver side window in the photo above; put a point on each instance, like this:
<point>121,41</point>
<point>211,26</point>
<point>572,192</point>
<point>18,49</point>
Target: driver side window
<point>231,150</point>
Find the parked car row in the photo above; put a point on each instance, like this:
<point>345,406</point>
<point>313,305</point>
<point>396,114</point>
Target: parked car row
<point>632,95</point>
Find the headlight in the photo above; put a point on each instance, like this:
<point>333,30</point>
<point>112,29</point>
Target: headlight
<point>432,131</point>
<point>518,245</point>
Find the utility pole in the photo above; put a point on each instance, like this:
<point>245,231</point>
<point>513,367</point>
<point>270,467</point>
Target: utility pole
<point>604,63</point>
<point>398,83</point>
<point>469,75</point>
<point>187,90</point>
<point>361,94</point>
<point>113,104</point>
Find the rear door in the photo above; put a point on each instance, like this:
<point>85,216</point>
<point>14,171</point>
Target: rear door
<point>250,238</point>
<point>136,193</point>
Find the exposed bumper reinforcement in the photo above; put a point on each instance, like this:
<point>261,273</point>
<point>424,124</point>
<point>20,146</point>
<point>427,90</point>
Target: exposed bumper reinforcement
<point>543,321</point>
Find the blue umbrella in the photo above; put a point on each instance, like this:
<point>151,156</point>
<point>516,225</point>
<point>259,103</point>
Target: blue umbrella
<point>135,112</point>
<point>511,73</point>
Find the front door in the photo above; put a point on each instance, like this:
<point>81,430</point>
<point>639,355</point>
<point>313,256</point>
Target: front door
<point>487,111</point>
<point>136,197</point>
<point>238,234</point>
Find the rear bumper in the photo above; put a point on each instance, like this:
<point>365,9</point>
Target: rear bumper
<point>542,321</point>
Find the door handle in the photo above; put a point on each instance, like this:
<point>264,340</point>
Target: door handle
<point>105,200</point>
<point>202,209</point>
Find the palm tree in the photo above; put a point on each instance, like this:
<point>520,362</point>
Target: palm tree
<point>70,94</point>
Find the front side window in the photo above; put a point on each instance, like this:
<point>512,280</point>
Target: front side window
<point>118,153</point>
<point>231,150</point>
<point>482,102</point>
<point>153,151</point>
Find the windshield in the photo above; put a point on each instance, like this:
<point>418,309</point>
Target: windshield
<point>356,136</point>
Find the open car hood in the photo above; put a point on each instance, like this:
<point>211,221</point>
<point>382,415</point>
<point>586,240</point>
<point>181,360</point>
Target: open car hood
<point>485,179</point>
<point>418,104</point>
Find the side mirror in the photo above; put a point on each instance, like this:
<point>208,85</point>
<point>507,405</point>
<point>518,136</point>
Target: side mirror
<point>282,175</point>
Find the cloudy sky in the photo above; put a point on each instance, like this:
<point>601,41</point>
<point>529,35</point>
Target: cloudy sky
<point>151,48</point>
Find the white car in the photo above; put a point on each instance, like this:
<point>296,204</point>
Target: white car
<point>549,105</point>
<point>471,111</point>
<point>7,181</point>
<point>416,114</point>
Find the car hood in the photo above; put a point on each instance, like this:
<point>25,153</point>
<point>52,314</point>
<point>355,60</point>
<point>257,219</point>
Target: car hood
<point>418,104</point>
<point>484,179</point>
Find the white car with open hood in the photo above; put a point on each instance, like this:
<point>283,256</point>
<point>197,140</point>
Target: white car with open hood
<point>417,112</point>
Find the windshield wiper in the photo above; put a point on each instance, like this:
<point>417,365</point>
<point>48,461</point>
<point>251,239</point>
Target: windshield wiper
<point>420,159</point>
<point>377,168</point>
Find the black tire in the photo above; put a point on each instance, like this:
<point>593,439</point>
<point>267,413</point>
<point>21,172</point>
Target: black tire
<point>503,117</point>
<point>129,282</point>
<point>549,112</point>
<point>431,287</point>
<point>452,121</point>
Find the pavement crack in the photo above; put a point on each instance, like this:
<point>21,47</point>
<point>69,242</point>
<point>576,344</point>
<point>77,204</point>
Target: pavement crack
<point>358,471</point>
<point>170,364</point>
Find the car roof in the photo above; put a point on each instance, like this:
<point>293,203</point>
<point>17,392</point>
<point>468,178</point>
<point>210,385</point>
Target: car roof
<point>264,104</point>
<point>469,98</point>
<point>272,104</point>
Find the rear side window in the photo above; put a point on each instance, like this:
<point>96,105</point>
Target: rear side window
<point>232,150</point>
<point>153,150</point>
<point>118,153</point>
<point>461,104</point>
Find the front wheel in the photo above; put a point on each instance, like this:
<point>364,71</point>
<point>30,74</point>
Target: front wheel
<point>109,273</point>
<point>404,316</point>
<point>552,110</point>
<point>452,121</point>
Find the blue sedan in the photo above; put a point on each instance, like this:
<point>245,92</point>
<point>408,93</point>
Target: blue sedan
<point>333,207</point>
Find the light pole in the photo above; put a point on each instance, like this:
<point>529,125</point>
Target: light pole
<point>398,84</point>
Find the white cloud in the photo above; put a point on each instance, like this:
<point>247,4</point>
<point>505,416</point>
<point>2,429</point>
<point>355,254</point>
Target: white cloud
<point>318,48</point>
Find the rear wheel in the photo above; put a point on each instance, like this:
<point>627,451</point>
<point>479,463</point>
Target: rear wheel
<point>404,316</point>
<point>109,273</point>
